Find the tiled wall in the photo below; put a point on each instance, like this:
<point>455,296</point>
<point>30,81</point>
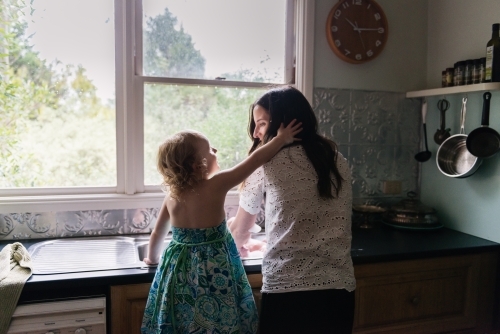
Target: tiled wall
<point>378,132</point>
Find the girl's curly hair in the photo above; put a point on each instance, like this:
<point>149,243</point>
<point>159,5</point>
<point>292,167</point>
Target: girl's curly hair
<point>175,160</point>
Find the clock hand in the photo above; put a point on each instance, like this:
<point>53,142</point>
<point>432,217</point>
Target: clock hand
<point>366,29</point>
<point>359,33</point>
<point>355,26</point>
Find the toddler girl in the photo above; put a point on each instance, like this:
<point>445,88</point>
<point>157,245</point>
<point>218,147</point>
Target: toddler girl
<point>200,285</point>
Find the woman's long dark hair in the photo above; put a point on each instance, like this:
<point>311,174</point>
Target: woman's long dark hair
<point>285,104</point>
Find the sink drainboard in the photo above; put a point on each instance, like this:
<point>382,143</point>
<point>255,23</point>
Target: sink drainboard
<point>89,254</point>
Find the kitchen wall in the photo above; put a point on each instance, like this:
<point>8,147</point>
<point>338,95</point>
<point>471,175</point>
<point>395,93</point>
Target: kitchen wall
<point>458,30</point>
<point>425,37</point>
<point>400,67</point>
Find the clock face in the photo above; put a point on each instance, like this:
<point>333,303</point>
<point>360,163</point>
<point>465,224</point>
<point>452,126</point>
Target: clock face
<point>357,30</point>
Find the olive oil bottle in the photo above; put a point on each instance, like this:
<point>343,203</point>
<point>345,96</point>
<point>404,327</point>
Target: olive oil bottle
<point>493,56</point>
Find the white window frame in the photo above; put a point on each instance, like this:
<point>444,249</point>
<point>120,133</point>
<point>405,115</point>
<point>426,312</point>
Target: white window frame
<point>130,191</point>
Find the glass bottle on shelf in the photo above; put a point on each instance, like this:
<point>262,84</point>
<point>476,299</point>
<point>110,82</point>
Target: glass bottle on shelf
<point>493,56</point>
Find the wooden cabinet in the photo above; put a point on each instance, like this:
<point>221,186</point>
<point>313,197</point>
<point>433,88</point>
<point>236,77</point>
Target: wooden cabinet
<point>445,294</point>
<point>436,295</point>
<point>452,294</point>
<point>255,281</point>
<point>127,307</point>
<point>129,301</point>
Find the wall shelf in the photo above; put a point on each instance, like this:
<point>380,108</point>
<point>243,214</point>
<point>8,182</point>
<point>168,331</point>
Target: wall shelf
<point>487,86</point>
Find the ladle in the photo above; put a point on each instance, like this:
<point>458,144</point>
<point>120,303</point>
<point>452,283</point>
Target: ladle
<point>424,155</point>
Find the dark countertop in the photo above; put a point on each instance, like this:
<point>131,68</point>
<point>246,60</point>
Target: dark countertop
<point>380,244</point>
<point>384,243</point>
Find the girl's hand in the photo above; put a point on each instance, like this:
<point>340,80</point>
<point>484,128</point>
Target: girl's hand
<point>288,133</point>
<point>149,262</point>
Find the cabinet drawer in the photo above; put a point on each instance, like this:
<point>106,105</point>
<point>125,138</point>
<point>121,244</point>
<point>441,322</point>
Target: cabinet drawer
<point>417,296</point>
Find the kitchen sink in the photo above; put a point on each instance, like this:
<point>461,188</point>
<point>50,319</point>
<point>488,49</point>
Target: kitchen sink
<point>84,254</point>
<point>142,247</point>
<point>71,255</point>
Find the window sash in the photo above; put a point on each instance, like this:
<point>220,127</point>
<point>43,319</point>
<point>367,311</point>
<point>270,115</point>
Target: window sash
<point>130,118</point>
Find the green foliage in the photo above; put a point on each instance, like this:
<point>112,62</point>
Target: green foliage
<point>55,131</point>
<point>170,52</point>
<point>219,113</point>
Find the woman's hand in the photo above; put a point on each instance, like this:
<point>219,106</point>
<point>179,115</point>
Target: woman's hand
<point>289,132</point>
<point>254,245</point>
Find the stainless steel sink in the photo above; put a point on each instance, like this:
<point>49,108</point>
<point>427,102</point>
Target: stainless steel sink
<point>84,254</point>
<point>142,247</point>
<point>95,253</point>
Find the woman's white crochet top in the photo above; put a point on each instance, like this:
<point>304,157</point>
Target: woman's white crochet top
<point>308,237</point>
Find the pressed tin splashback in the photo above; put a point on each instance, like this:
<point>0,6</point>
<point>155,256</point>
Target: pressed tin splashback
<point>377,132</point>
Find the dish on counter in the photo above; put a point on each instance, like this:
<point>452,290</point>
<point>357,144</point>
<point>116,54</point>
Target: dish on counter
<point>365,208</point>
<point>415,227</point>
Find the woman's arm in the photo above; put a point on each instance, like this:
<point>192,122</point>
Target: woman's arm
<point>158,235</point>
<point>239,226</point>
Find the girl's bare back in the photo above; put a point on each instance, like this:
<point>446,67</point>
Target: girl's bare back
<point>200,207</point>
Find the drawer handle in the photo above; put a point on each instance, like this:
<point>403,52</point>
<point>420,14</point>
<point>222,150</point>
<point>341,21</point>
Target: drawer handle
<point>415,300</point>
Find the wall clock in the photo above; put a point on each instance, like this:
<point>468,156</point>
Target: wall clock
<point>357,30</point>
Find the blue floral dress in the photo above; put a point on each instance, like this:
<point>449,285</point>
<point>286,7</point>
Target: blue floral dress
<point>200,286</point>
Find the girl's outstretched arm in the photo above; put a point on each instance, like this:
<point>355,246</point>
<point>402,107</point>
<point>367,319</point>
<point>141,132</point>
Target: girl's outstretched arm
<point>158,235</point>
<point>233,176</point>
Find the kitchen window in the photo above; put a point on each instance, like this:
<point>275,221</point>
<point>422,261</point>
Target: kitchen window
<point>88,95</point>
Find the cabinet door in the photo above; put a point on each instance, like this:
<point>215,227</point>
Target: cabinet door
<point>127,307</point>
<point>419,296</point>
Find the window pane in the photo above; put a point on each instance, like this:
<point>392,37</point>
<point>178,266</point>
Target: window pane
<point>57,96</point>
<point>219,113</point>
<point>207,39</point>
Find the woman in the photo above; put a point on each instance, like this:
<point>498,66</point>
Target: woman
<point>308,276</point>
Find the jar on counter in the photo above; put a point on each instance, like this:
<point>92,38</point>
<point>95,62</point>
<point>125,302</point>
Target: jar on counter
<point>443,78</point>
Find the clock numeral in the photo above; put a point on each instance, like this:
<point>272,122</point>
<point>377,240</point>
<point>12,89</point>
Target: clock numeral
<point>345,5</point>
<point>356,2</point>
<point>337,43</point>
<point>369,5</point>
<point>334,29</point>
<point>369,53</point>
<point>347,52</point>
<point>378,43</point>
<point>359,57</point>
<point>380,30</point>
<point>337,14</point>
<point>377,16</point>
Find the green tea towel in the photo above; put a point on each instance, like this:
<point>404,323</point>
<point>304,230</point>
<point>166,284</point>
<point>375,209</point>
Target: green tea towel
<point>15,269</point>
